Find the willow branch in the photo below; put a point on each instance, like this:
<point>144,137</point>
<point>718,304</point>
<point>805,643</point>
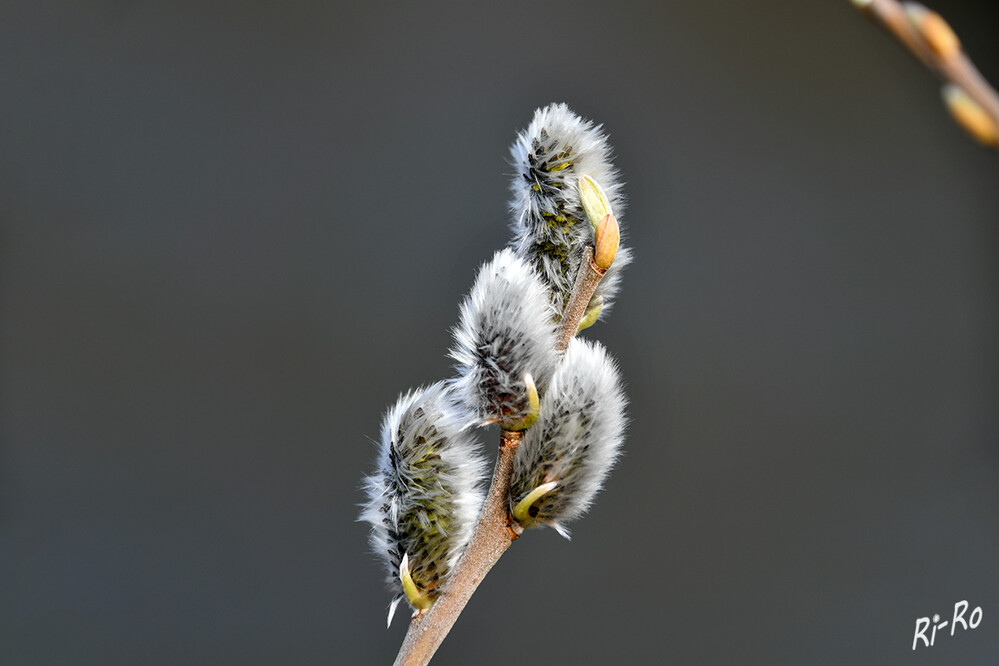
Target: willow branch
<point>972,102</point>
<point>496,528</point>
<point>587,279</point>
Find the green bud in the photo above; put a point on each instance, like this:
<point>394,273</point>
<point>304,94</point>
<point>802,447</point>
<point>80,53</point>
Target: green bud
<point>590,316</point>
<point>417,598</point>
<point>522,512</point>
<point>531,411</point>
<point>593,200</point>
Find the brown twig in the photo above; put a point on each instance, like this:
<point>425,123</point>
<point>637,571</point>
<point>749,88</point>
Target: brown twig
<point>593,266</point>
<point>587,279</point>
<point>972,102</point>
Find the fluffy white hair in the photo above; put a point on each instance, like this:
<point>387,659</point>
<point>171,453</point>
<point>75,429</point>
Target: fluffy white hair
<point>424,497</point>
<point>505,331</point>
<point>577,438</point>
<point>549,225</point>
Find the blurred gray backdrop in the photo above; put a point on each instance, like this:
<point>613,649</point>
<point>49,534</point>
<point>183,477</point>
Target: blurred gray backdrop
<point>233,232</point>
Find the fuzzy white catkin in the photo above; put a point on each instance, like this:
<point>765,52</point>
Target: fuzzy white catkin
<point>425,495</point>
<point>550,228</point>
<point>577,438</point>
<point>505,331</point>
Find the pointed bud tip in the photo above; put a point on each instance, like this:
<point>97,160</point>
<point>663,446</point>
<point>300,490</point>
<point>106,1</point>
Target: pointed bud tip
<point>594,201</point>
<point>522,512</point>
<point>606,241</point>
<point>417,598</point>
<point>533,407</point>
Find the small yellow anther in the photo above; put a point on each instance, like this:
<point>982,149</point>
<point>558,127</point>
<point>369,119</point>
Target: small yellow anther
<point>971,116</point>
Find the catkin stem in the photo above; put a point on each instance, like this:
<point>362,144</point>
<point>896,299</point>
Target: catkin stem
<point>494,532</point>
<point>587,279</point>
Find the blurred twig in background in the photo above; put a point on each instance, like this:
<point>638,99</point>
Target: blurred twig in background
<point>973,103</point>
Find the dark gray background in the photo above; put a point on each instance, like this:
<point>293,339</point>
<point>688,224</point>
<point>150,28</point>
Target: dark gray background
<point>232,233</point>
